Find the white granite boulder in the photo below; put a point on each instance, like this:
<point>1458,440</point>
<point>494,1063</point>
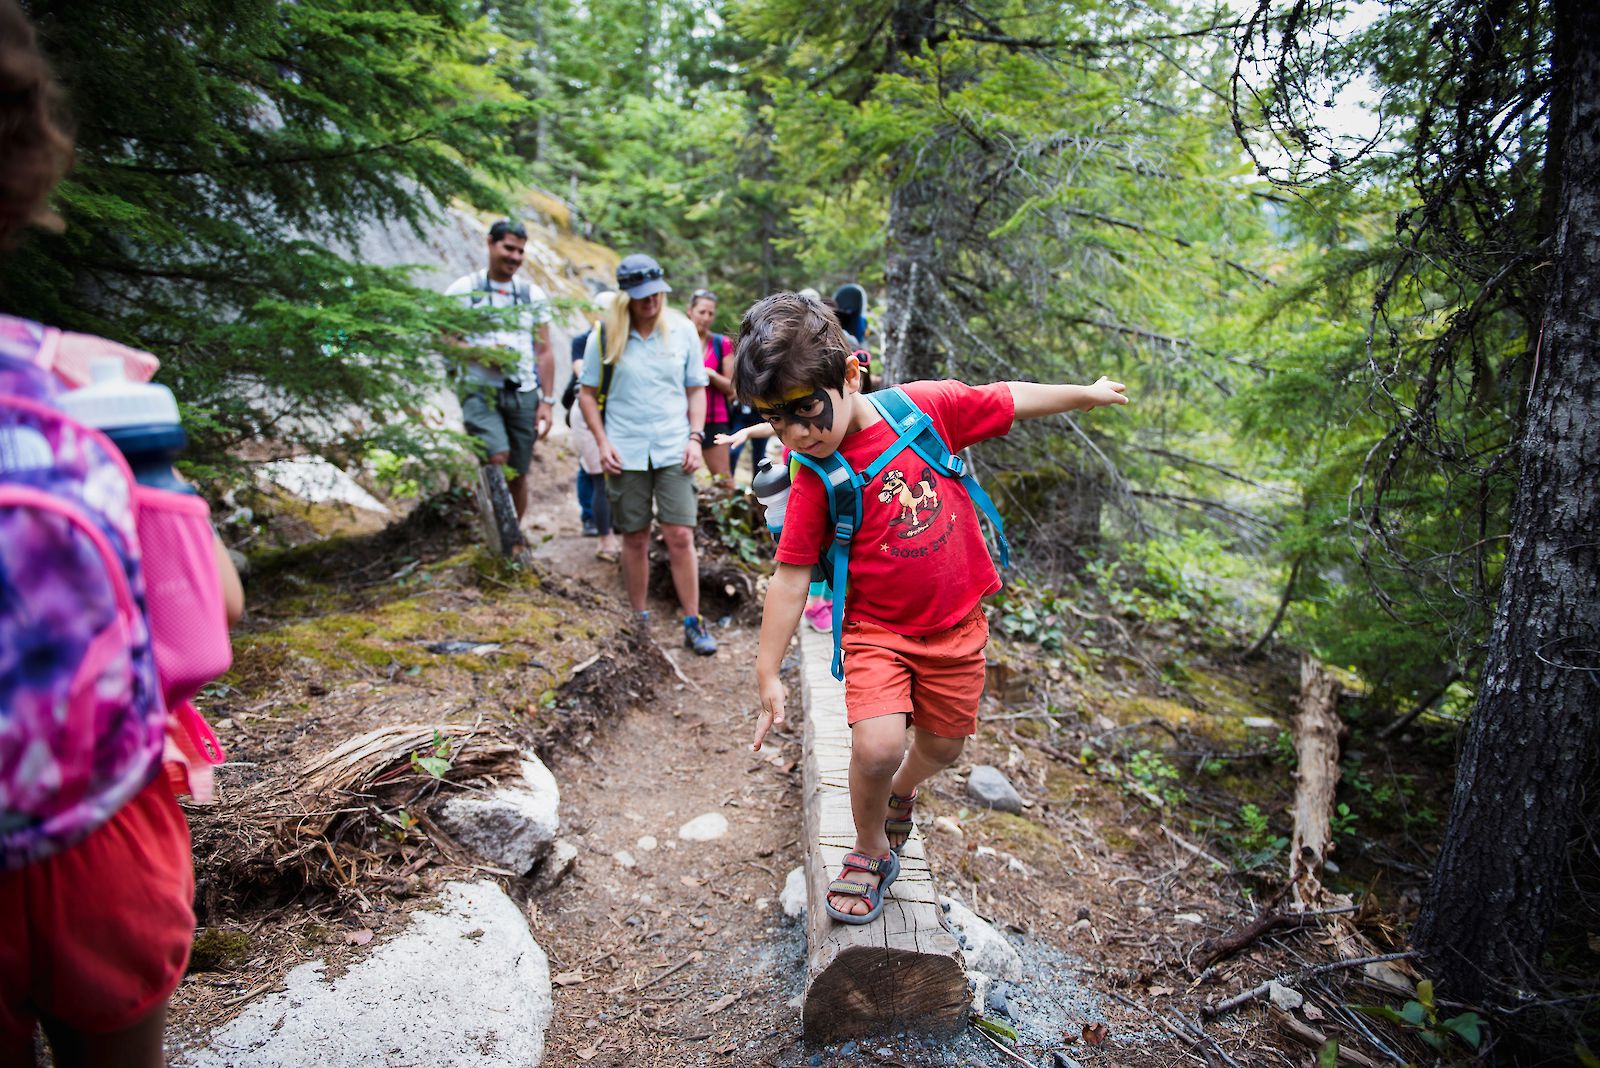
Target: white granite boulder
<point>464,986</point>
<point>985,949</point>
<point>513,826</point>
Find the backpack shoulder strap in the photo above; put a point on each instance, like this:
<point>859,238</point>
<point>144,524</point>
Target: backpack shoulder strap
<point>918,433</point>
<point>843,486</point>
<point>607,371</point>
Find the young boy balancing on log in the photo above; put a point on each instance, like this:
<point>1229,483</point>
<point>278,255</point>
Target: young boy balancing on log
<point>912,631</point>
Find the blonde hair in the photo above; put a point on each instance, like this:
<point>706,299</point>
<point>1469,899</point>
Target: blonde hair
<point>616,323</point>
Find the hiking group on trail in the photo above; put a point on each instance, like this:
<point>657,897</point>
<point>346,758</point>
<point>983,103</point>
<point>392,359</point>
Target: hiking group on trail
<point>117,597</point>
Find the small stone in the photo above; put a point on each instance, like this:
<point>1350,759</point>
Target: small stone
<point>704,828</point>
<point>814,1059</point>
<point>996,1001</point>
<point>1190,917</point>
<point>1286,998</point>
<point>1260,723</point>
<point>793,898</point>
<point>557,866</point>
<point>625,858</point>
<point>1061,1060</point>
<point>946,825</point>
<point>1083,912</point>
<point>849,1048</point>
<point>1015,865</point>
<point>884,1051</point>
<point>647,843</point>
<point>988,786</point>
<point>985,851</point>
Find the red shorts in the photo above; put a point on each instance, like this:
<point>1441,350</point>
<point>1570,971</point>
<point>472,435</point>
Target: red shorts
<point>936,678</point>
<point>98,935</point>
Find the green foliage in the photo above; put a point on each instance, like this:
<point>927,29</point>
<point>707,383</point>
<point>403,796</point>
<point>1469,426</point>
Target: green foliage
<point>438,760</point>
<point>1421,1015</point>
<point>1252,841</point>
<point>225,152</point>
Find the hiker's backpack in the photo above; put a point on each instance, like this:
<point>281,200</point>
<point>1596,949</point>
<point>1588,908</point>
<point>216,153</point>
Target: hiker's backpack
<point>111,615</point>
<point>82,719</point>
<point>915,431</point>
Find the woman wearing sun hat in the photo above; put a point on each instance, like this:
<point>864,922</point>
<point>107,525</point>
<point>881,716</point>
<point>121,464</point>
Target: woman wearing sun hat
<point>643,395</point>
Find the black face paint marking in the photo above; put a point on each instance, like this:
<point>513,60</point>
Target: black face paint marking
<point>790,411</point>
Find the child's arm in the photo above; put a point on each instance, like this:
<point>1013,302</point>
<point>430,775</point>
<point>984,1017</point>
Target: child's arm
<point>228,576</point>
<point>786,598</point>
<point>1034,399</point>
<point>744,434</point>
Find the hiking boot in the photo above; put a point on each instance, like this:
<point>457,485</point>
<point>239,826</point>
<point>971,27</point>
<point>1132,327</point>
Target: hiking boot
<point>590,530</point>
<point>696,638</point>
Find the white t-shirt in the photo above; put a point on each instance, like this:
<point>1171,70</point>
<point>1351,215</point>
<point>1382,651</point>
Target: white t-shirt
<point>535,309</point>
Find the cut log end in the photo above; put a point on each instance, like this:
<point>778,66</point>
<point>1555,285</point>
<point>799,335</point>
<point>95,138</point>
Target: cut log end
<point>877,990</point>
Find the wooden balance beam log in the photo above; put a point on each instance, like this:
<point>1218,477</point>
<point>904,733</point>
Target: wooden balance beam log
<point>905,969</point>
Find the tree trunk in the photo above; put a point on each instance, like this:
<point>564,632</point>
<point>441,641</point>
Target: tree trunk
<point>1530,750</point>
<point>911,268</point>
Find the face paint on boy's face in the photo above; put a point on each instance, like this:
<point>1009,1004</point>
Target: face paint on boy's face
<point>814,410</point>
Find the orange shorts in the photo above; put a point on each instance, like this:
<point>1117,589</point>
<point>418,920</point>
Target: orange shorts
<point>936,678</point>
<point>98,935</point>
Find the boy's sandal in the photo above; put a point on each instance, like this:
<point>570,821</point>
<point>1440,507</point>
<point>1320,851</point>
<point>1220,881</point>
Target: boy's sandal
<point>901,827</point>
<point>885,869</point>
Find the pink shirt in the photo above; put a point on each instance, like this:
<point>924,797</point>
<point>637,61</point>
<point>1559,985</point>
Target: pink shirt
<point>716,403</point>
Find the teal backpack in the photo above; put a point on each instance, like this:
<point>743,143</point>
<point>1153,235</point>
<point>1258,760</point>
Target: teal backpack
<point>844,486</point>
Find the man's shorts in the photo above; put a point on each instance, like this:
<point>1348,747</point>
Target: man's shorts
<point>938,678</point>
<point>98,935</point>
<point>631,492</point>
<point>504,420</point>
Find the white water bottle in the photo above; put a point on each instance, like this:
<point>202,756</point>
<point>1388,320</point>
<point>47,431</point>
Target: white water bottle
<point>771,486</point>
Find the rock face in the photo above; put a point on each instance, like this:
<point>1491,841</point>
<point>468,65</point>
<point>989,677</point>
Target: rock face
<point>985,949</point>
<point>512,827</point>
<point>463,987</point>
<point>988,786</point>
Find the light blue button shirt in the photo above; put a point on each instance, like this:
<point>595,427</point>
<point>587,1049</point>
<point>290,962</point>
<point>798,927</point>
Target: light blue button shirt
<point>647,410</point>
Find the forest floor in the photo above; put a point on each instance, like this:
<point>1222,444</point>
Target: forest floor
<point>1137,764</point>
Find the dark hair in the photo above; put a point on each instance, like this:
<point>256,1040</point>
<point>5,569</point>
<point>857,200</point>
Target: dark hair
<point>787,342</point>
<point>34,141</point>
<point>507,226</point>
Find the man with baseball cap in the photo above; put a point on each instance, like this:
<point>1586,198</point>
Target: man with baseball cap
<point>643,394</point>
<point>507,405</point>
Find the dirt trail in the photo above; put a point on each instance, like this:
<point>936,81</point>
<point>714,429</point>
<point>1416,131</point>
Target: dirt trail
<point>672,952</point>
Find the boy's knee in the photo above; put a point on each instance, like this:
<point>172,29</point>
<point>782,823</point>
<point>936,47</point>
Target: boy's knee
<point>877,758</point>
<point>937,750</point>
<point>497,459</point>
<point>678,538</point>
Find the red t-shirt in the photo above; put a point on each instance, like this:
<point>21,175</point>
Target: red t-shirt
<point>918,563</point>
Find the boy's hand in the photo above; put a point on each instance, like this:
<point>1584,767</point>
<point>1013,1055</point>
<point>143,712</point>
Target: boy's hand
<point>1105,392</point>
<point>772,702</point>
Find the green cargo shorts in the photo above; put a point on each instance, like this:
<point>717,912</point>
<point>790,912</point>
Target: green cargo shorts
<point>630,494</point>
<point>504,420</point>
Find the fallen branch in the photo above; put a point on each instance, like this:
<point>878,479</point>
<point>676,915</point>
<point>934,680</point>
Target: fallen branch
<point>1178,840</point>
<point>1214,949</point>
<point>1317,730</point>
<point>1304,1033</point>
<point>1211,1012</point>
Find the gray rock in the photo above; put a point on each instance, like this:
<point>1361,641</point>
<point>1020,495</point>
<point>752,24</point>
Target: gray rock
<point>1061,1060</point>
<point>512,827</point>
<point>988,786</point>
<point>465,986</point>
<point>793,898</point>
<point>986,950</point>
<point>704,828</point>
<point>557,866</point>
<point>980,992</point>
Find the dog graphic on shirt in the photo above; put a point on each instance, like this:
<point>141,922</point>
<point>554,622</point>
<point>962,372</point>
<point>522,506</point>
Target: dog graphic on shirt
<point>919,504</point>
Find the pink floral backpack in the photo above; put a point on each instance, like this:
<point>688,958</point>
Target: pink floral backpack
<point>83,719</point>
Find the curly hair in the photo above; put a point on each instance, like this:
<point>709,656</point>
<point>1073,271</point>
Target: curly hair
<point>34,140</point>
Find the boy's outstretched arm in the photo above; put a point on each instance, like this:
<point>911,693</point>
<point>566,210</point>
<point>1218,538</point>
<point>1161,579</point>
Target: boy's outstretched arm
<point>1034,399</point>
<point>786,598</point>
